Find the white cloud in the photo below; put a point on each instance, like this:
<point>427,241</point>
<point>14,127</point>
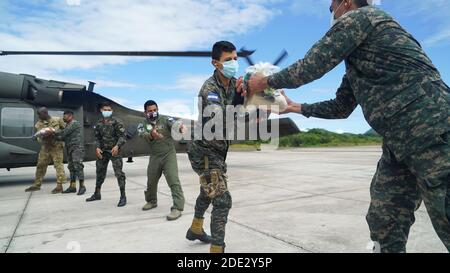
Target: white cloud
<point>190,83</point>
<point>99,83</point>
<point>185,83</point>
<point>340,131</point>
<point>120,25</point>
<point>435,13</point>
<point>425,11</point>
<point>179,108</point>
<point>438,38</point>
<point>122,101</point>
<point>73,2</point>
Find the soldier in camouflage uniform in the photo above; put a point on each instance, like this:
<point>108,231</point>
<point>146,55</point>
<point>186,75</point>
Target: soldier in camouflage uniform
<point>109,138</point>
<point>71,135</point>
<point>403,98</point>
<point>51,150</point>
<point>157,131</point>
<point>207,157</point>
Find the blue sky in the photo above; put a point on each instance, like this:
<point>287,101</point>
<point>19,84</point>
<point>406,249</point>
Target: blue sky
<point>265,25</point>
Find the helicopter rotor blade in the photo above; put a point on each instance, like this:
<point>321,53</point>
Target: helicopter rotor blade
<point>245,53</point>
<point>242,53</point>
<point>249,61</point>
<point>247,58</point>
<point>281,58</point>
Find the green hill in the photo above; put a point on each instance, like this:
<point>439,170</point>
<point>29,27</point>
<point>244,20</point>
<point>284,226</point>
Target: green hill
<point>371,132</point>
<point>324,138</point>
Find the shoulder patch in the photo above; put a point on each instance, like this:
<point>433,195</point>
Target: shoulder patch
<point>149,127</point>
<point>213,96</point>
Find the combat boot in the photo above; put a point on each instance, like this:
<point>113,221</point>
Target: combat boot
<point>217,249</point>
<point>196,232</point>
<point>58,189</point>
<point>96,196</point>
<point>149,206</point>
<point>33,188</point>
<point>174,215</point>
<point>82,189</point>
<point>123,198</point>
<point>72,188</point>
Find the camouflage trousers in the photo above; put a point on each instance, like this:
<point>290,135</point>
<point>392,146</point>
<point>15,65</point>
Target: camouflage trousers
<point>213,189</point>
<point>102,166</point>
<point>47,155</point>
<point>167,164</point>
<point>75,157</point>
<point>398,189</point>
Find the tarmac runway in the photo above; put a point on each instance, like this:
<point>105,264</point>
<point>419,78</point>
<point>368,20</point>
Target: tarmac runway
<point>299,200</point>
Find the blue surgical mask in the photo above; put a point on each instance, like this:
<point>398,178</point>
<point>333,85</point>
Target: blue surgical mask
<point>107,114</point>
<point>230,69</point>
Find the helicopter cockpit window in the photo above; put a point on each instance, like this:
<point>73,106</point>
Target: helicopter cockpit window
<point>17,122</point>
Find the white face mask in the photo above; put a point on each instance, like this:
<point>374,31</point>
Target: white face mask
<point>335,20</point>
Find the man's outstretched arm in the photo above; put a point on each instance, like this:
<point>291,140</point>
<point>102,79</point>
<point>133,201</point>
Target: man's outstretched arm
<point>339,108</point>
<point>327,53</point>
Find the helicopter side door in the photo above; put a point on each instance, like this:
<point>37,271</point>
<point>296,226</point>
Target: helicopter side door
<point>17,147</point>
<point>17,120</point>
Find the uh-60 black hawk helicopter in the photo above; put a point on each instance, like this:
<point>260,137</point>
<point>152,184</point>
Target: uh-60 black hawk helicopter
<point>21,95</point>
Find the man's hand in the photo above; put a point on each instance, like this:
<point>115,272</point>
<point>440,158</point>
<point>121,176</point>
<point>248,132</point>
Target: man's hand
<point>256,84</point>
<point>156,135</point>
<point>240,86</point>
<point>183,129</point>
<point>49,131</point>
<point>115,151</point>
<point>292,106</point>
<point>98,153</point>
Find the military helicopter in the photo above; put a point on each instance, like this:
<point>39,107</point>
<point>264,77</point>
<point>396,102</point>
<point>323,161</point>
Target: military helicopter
<point>21,95</point>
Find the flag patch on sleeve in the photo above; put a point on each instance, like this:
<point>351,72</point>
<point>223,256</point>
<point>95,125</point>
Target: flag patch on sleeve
<point>213,97</point>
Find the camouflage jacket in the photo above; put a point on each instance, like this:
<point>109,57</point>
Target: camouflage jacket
<point>55,123</point>
<point>163,126</point>
<point>71,135</point>
<point>214,94</point>
<point>109,133</point>
<point>400,91</point>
